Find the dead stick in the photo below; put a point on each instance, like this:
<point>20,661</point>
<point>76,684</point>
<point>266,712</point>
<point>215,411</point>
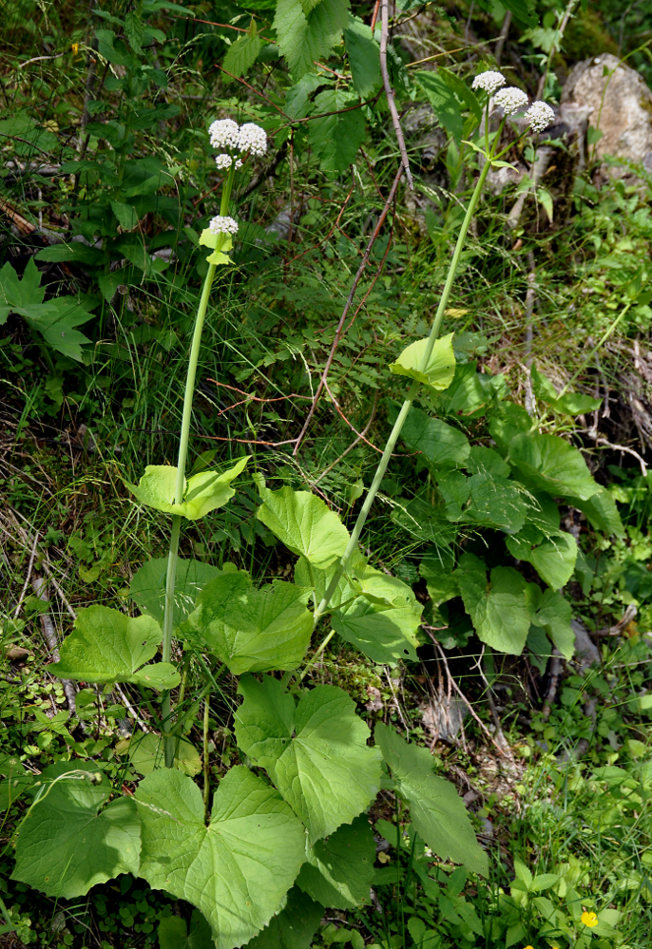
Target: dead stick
<point>389,92</point>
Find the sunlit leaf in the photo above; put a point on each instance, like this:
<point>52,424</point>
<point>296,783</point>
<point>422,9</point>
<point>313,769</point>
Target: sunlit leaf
<point>439,370</point>
<point>203,492</point>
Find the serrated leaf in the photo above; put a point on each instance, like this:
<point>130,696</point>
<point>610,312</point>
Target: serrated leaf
<point>601,512</point>
<point>147,587</point>
<point>384,632</point>
<point>204,492</point>
<point>293,927</point>
<point>340,868</point>
<point>554,614</point>
<point>315,753</point>
<point>364,56</point>
<point>172,933</point>
<point>108,646</point>
<point>499,609</point>
<point>437,373</point>
<point>147,753</point>
<point>72,839</point>
<point>303,523</point>
<point>236,870</point>
<point>242,54</point>
<point>338,130</point>
<point>553,556</point>
<point>437,813</point>
<point>253,630</point>
<point>441,445</point>
<point>548,463</point>
<point>304,39</point>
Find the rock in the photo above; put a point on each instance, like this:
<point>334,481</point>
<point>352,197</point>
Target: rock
<point>621,108</point>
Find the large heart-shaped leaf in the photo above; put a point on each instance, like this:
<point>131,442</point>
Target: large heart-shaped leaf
<point>384,632</point>
<point>548,463</point>
<point>147,587</point>
<point>553,557</point>
<point>441,445</point>
<point>203,492</point>
<point>293,927</point>
<point>72,839</point>
<point>500,609</point>
<point>439,369</point>
<point>253,630</point>
<point>437,813</point>
<point>303,523</point>
<point>109,646</point>
<point>339,870</point>
<point>237,869</point>
<point>315,753</point>
<point>554,614</point>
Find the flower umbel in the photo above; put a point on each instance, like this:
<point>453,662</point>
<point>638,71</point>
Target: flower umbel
<point>489,81</point>
<point>510,100</point>
<point>539,116</point>
<point>222,224</point>
<point>224,133</point>
<point>252,138</point>
<point>589,919</point>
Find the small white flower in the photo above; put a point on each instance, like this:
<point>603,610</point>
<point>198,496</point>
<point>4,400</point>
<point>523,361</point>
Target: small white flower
<point>510,100</point>
<point>224,133</point>
<point>489,81</point>
<point>539,116</point>
<point>238,163</point>
<point>223,161</point>
<point>252,138</point>
<point>223,225</point>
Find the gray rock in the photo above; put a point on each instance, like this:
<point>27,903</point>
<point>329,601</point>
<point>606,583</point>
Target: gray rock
<point>621,108</point>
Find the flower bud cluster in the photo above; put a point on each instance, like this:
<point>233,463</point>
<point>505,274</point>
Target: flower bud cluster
<point>222,224</point>
<point>512,100</point>
<point>230,140</point>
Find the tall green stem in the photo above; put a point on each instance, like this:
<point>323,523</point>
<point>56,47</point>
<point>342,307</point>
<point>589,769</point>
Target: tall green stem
<point>184,438</point>
<point>411,393</point>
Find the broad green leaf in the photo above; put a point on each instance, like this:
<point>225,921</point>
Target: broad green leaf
<point>571,403</point>
<point>297,100</point>
<point>72,839</point>
<point>548,463</point>
<point>315,753</point>
<point>303,523</point>
<point>487,500</point>
<point>242,54</point>
<point>340,868</point>
<point>386,632</point>
<point>436,811</point>
<point>16,780</point>
<point>554,614</point>
<point>500,609</point>
<point>438,372</point>
<point>293,927</point>
<point>441,445</point>
<point>484,460</point>
<point>109,646</point>
<point>449,97</point>
<point>253,630</point>
<point>437,570</point>
<point>338,129</point>
<point>471,393</point>
<point>552,556</point>
<point>172,933</point>
<point>54,319</point>
<point>425,521</point>
<point>507,422</point>
<point>147,587</point>
<point>364,56</point>
<point>147,753</point>
<point>125,215</point>
<point>601,512</point>
<point>304,39</point>
<point>235,871</point>
<point>203,492</point>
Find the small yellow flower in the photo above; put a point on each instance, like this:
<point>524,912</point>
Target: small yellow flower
<point>75,48</point>
<point>589,919</point>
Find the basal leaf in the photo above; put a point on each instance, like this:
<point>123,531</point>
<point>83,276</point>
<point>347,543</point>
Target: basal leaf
<point>172,933</point>
<point>147,587</point>
<point>147,753</point>
<point>436,811</point>
<point>72,839</point>
<point>304,39</point>
<point>549,463</point>
<point>552,556</point>
<point>384,632</point>
<point>315,753</point>
<point>601,512</point>
<point>203,492</point>
<point>441,445</point>
<point>236,870</point>
<point>253,630</point>
<point>499,609</point>
<point>303,523</point>
<point>338,130</point>
<point>340,868</point>
<point>109,646</point>
<point>364,56</point>
<point>293,927</point>
<point>438,372</point>
<point>554,614</point>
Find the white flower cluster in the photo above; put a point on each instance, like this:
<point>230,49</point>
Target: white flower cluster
<point>223,225</point>
<point>539,116</point>
<point>489,81</point>
<point>510,100</point>
<point>227,137</point>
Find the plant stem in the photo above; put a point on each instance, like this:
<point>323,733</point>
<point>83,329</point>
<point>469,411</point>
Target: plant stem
<point>180,487</point>
<point>409,399</point>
